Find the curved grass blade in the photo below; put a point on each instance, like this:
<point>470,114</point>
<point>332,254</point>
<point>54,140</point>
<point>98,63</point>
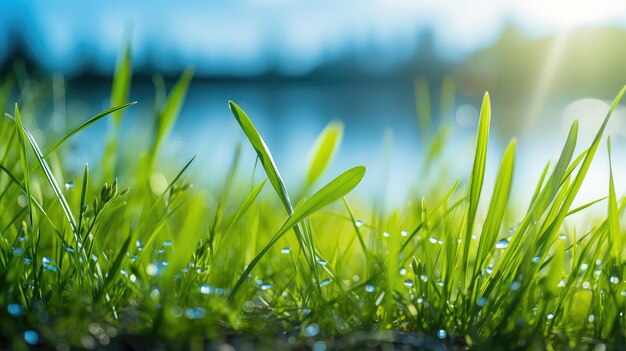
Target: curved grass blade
<point>264,155</point>
<point>48,172</point>
<point>325,148</point>
<point>331,192</point>
<point>246,204</point>
<point>24,160</point>
<point>86,124</point>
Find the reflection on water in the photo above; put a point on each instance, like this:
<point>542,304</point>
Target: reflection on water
<point>381,132</point>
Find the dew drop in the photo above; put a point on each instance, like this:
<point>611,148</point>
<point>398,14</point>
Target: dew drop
<point>195,312</point>
<point>14,309</point>
<point>305,311</point>
<point>370,288</point>
<point>69,185</point>
<point>408,283</point>
<point>151,269</point>
<point>481,302</point>
<point>358,223</point>
<point>513,229</point>
<point>266,286</point>
<point>502,244</point>
<point>168,243</point>
<point>69,248</point>
<point>441,334</point>
<point>562,283</point>
<point>440,283</point>
<point>424,278</point>
<point>402,271</point>
<point>614,280</point>
<point>404,233</point>
<point>319,346</point>
<point>311,330</point>
<point>285,250</point>
<point>432,240</point>
<point>17,251</point>
<point>31,337</point>
<point>584,266</point>
<point>536,260</point>
<point>562,236</point>
<point>591,318</point>
<point>322,262</point>
<point>515,286</point>
<point>586,285</point>
<point>28,260</point>
<point>550,316</point>
<point>206,289</point>
<point>325,282</point>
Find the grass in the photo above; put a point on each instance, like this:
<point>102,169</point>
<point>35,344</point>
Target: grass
<point>103,263</point>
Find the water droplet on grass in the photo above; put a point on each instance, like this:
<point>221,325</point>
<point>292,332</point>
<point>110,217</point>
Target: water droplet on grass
<point>584,266</point>
<point>561,283</point>
<point>311,330</point>
<point>14,309</point>
<point>513,229</point>
<point>404,233</point>
<point>17,251</point>
<point>550,316</point>
<point>408,283</point>
<point>402,271</point>
<point>536,260</point>
<point>370,288</point>
<point>562,236</point>
<point>305,311</point>
<point>48,264</point>
<point>69,185</point>
<point>586,285</point>
<point>322,262</point>
<point>325,282</point>
<point>591,318</point>
<point>285,250</point>
<point>151,269</point>
<point>195,312</point>
<point>319,346</point>
<point>266,286</point>
<point>69,248</point>
<point>515,286</point>
<point>31,337</point>
<point>206,289</point>
<point>358,223</point>
<point>168,243</point>
<point>432,240</point>
<point>502,244</point>
<point>424,278</point>
<point>386,235</point>
<point>441,334</point>
<point>124,272</point>
<point>28,260</point>
<point>481,302</point>
<point>614,280</point>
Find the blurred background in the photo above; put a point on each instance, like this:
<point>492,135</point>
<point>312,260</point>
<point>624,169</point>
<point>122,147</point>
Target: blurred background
<point>295,65</point>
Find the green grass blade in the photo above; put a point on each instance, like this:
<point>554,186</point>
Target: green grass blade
<point>615,240</point>
<point>478,174</point>
<point>52,181</point>
<point>86,124</point>
<point>499,201</point>
<point>325,148</point>
<point>264,155</point>
<point>246,204</point>
<point>24,160</point>
<point>331,192</point>
<point>83,197</point>
<point>169,114</point>
<point>121,82</point>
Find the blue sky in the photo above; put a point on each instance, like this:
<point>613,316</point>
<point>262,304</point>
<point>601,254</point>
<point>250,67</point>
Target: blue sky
<point>292,37</point>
